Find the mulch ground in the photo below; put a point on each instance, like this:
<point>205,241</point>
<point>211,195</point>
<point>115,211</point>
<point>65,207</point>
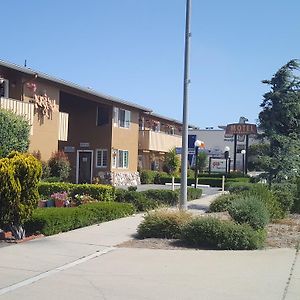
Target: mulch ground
<point>282,234</point>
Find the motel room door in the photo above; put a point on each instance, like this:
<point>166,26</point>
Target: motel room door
<point>84,167</point>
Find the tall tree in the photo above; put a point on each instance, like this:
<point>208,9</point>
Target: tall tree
<point>280,122</point>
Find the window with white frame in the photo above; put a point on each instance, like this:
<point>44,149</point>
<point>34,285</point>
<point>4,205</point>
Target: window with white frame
<point>101,158</point>
<point>123,158</point>
<point>122,117</point>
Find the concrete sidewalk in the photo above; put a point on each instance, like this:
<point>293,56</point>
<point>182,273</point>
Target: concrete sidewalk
<point>85,264</point>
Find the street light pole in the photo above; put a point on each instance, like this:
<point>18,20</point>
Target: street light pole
<point>226,155</point>
<point>186,82</point>
<point>197,145</point>
<point>243,153</point>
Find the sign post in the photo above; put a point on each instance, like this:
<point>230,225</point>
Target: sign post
<point>236,129</point>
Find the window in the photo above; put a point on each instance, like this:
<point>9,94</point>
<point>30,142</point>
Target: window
<point>4,86</point>
<point>123,159</point>
<point>101,158</point>
<point>121,117</point>
<point>102,115</point>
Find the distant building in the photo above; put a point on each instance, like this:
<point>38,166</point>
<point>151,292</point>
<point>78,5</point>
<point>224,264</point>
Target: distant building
<point>215,142</point>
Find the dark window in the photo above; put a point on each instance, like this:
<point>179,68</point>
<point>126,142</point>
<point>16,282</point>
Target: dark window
<point>102,115</point>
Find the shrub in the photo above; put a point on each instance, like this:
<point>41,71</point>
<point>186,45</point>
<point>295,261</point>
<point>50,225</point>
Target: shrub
<point>261,191</point>
<point>51,179</point>
<point>54,220</point>
<point>166,197</point>
<point>237,187</point>
<point>249,210</point>
<point>193,193</point>
<point>222,203</point>
<point>296,207</point>
<point>163,224</point>
<point>14,133</point>
<point>213,233</point>
<point>132,188</point>
<point>19,177</point>
<point>158,177</point>
<point>285,194</point>
<point>138,199</point>
<point>97,191</point>
<point>59,165</point>
<point>46,172</point>
<point>147,176</point>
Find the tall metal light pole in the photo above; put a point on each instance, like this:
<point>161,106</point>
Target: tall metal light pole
<point>184,154</point>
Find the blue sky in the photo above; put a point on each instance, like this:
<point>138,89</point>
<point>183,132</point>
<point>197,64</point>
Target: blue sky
<point>133,49</point>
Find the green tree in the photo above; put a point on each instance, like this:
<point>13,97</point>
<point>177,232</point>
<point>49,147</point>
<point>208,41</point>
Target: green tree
<point>14,133</point>
<point>255,153</point>
<point>280,122</point>
<point>19,177</point>
<point>172,162</point>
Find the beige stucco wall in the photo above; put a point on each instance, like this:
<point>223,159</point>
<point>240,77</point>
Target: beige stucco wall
<point>45,130</point>
<point>127,139</point>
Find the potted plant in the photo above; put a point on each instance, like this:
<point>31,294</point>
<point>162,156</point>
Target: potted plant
<point>61,199</point>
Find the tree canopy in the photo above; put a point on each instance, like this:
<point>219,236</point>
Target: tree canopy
<point>280,123</point>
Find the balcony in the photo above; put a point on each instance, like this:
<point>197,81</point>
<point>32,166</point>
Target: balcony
<point>158,141</point>
<point>19,108</point>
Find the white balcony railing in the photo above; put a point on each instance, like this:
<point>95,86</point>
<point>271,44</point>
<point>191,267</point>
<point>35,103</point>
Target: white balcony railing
<point>20,108</point>
<point>158,141</point>
<point>63,126</point>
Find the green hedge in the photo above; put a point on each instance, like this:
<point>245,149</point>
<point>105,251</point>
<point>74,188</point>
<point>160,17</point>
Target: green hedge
<point>54,220</point>
<point>213,233</point>
<point>137,199</point>
<point>166,197</point>
<point>97,191</point>
<point>151,199</point>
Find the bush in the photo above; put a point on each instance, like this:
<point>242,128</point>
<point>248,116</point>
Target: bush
<point>19,177</point>
<point>193,193</point>
<point>14,133</point>
<point>222,203</point>
<point>140,202</point>
<point>296,206</point>
<point>249,210</point>
<point>132,188</point>
<point>46,172</point>
<point>285,194</point>
<point>261,191</point>
<point>163,224</point>
<point>97,191</point>
<point>59,165</point>
<point>147,176</point>
<point>51,179</point>
<point>213,233</point>
<point>54,220</point>
<point>165,197</point>
<point>158,177</point>
<point>237,187</point>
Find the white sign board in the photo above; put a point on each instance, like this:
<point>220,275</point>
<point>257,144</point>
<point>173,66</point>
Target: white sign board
<point>218,165</point>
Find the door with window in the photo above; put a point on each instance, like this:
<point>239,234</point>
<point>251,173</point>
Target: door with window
<point>84,167</point>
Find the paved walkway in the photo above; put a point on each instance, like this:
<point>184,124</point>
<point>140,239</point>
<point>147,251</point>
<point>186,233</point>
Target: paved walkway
<point>85,264</point>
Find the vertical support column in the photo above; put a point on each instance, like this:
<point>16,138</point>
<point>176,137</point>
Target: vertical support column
<point>246,157</point>
<point>234,154</point>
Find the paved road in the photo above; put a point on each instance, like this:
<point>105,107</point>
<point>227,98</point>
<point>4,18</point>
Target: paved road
<point>86,264</point>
